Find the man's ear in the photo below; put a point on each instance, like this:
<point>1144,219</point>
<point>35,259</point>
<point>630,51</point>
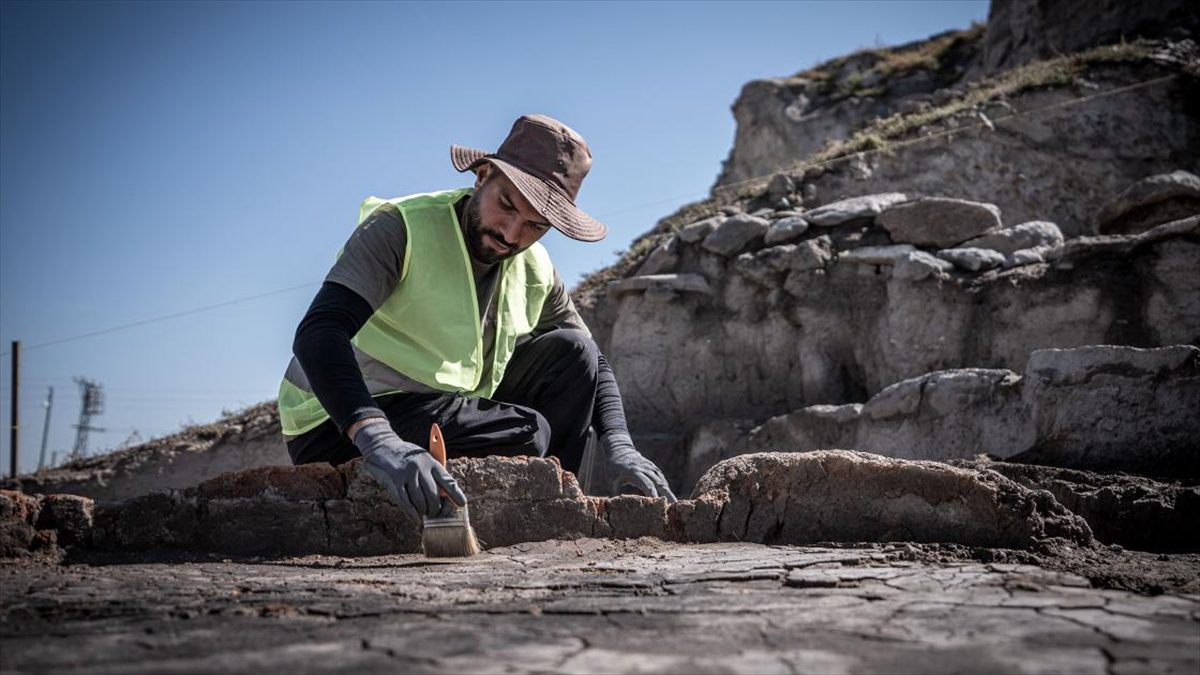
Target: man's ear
<point>481,174</point>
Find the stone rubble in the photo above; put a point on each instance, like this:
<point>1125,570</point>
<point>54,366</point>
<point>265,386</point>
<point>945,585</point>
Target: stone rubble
<point>770,498</point>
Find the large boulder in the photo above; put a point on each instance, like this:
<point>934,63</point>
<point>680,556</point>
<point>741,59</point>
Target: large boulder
<point>939,222</point>
<point>838,495</point>
<point>852,209</point>
<point>1150,202</point>
<point>1115,408</point>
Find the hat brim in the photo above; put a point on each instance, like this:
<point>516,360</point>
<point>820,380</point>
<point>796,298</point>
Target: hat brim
<point>554,206</point>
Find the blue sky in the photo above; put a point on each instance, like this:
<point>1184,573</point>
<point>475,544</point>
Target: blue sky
<point>161,157</point>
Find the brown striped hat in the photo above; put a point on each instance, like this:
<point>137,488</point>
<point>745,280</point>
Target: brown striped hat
<point>547,161</point>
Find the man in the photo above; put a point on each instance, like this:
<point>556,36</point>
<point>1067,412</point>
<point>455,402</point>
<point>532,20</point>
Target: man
<point>443,308</point>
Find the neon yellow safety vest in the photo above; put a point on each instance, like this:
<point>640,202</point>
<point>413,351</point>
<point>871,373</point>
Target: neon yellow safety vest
<point>429,328</point>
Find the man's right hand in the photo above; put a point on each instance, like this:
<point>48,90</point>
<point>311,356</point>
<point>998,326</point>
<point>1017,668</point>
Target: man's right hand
<point>409,473</point>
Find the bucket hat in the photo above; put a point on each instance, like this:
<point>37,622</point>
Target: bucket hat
<point>547,161</point>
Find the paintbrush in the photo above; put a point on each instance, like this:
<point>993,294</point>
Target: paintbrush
<point>447,536</point>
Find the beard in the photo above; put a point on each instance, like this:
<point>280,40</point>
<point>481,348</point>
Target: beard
<point>475,231</point>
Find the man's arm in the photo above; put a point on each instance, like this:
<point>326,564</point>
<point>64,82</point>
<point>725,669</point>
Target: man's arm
<point>364,275</point>
<point>322,346</point>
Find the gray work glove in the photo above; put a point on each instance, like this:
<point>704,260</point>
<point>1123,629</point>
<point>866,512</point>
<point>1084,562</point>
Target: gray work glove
<point>409,473</point>
<point>625,466</point>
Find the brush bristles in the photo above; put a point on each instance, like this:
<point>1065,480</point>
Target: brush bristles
<point>451,537</point>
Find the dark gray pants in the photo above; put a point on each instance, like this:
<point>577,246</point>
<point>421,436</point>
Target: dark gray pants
<point>542,407</point>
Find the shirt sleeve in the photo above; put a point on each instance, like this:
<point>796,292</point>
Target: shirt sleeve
<point>322,346</point>
<point>372,260</point>
<point>559,311</point>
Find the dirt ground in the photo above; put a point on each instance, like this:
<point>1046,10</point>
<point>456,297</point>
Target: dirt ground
<point>611,606</point>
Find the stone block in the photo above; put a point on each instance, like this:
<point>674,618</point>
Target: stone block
<point>1034,234</point>
<point>167,519</point>
<point>372,527</point>
<point>690,234</point>
<point>939,222</point>
<point>972,259</point>
<point>1116,408</point>
<point>70,516</point>
<point>307,481</point>
<point>785,229</point>
<point>855,208</point>
<point>839,495</point>
<point>876,255</point>
<point>264,525</point>
<point>633,516</point>
<point>735,235</point>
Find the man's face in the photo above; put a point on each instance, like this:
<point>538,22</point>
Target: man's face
<point>500,221</point>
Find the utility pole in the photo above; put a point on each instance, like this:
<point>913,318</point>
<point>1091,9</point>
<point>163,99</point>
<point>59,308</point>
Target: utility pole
<point>46,428</point>
<point>16,409</point>
<point>93,404</point>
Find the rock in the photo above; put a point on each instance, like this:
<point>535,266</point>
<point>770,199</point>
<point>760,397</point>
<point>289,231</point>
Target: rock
<point>876,255</point>
<point>938,222</point>
<point>855,208</point>
<point>947,414</point>
<point>678,283</point>
<point>762,266</point>
<point>71,516</point>
<point>710,443</point>
<point>1135,512</point>
<point>809,193</point>
<point>972,259</point>
<point>811,254</point>
<point>307,481</point>
<point>698,230</point>
<point>735,234</point>
<point>1021,31</point>
<point>1031,256</point>
<point>780,187</point>
<point>815,427</point>
<point>160,520</point>
<point>785,230</point>
<point>18,515</point>
<point>1113,408</point>
<point>731,210</point>
<point>662,259</point>
<point>266,525</point>
<point>839,495</point>
<point>1150,202</point>
<point>1034,234</point>
<point>919,265</point>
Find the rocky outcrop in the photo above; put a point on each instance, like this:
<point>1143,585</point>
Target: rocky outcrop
<point>1019,139</point>
<point>771,498</point>
<point>1020,31</point>
<point>1150,202</point>
<point>841,313</point>
<point>1103,408</point>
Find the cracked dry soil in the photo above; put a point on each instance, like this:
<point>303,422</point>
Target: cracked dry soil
<point>591,606</point>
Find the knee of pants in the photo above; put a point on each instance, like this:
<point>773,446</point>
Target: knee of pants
<point>579,345</point>
<point>539,442</point>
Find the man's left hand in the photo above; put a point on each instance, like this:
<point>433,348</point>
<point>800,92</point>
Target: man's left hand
<point>625,466</point>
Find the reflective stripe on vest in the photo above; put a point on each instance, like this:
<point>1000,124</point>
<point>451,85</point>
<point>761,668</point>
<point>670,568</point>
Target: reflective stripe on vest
<point>429,328</point>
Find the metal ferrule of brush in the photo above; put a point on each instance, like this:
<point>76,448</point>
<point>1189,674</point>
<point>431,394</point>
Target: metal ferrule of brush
<point>457,518</point>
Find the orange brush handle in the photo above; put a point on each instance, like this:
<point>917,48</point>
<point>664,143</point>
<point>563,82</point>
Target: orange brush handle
<point>437,448</point>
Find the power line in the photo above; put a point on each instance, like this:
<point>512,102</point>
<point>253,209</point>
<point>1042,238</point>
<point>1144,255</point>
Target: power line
<point>166,317</point>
